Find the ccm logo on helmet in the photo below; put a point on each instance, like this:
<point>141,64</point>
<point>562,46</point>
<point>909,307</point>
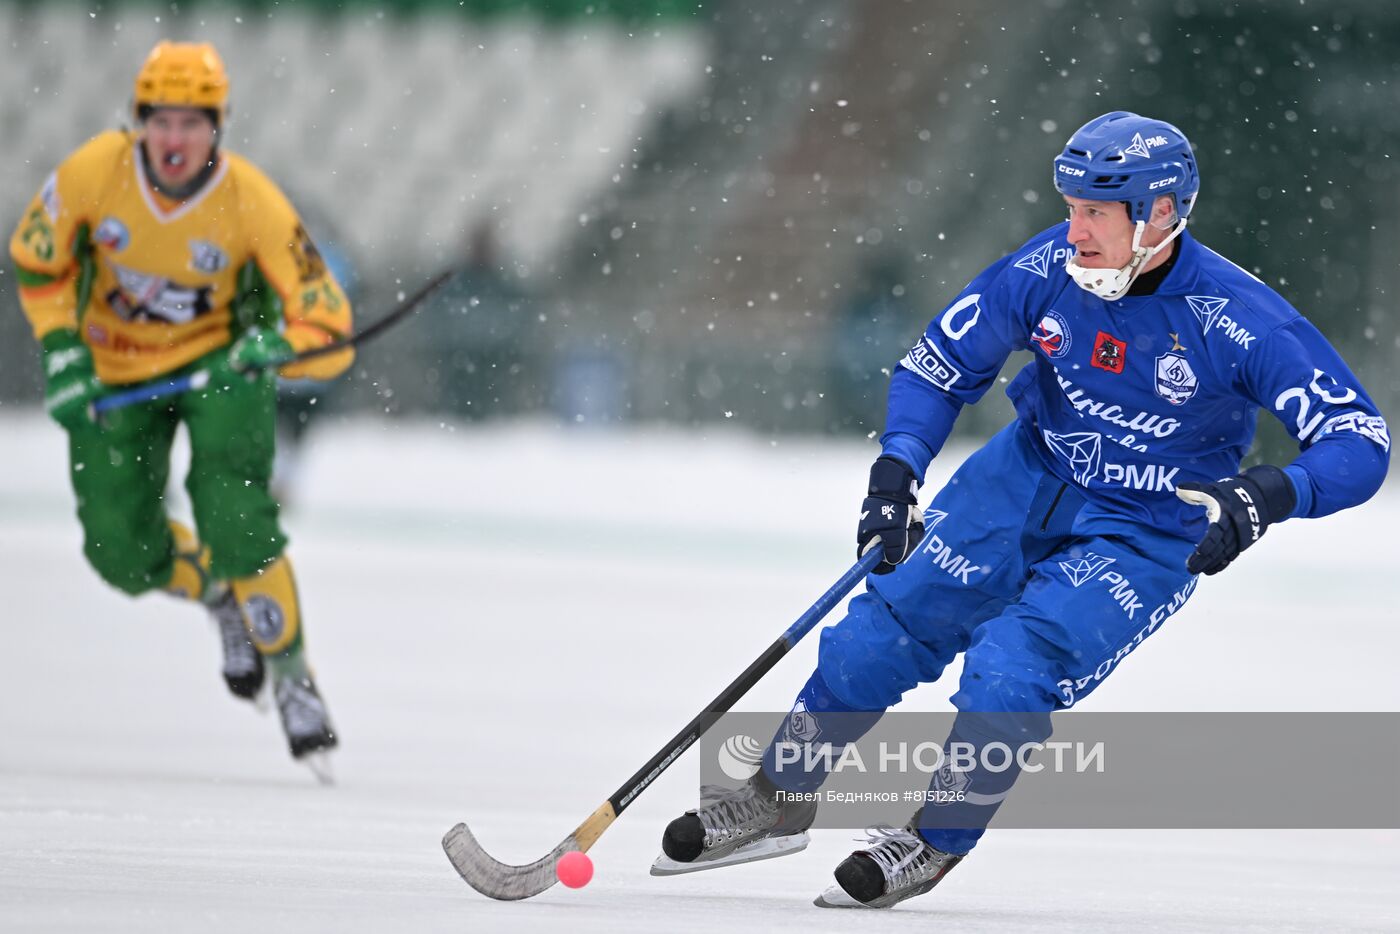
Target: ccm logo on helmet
<point>1066,170</point>
<point>1162,183</point>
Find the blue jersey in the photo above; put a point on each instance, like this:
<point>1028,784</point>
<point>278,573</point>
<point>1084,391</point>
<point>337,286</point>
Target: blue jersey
<point>1127,399</point>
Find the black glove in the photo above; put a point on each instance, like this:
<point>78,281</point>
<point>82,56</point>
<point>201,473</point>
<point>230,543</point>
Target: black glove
<point>1240,509</point>
<point>890,517</point>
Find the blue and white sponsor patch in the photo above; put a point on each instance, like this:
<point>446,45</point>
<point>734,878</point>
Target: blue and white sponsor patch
<point>1368,426</point>
<point>112,234</point>
<point>49,196</point>
<point>1052,335</point>
<point>925,359</point>
<point>206,257</point>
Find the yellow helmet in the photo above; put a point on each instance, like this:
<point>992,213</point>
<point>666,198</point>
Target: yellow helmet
<point>182,74</point>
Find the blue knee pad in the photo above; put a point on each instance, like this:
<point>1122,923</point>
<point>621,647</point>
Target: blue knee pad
<point>870,659</point>
<point>1005,669</point>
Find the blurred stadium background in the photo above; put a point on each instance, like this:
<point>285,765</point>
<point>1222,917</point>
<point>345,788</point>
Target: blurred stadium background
<point>732,211</point>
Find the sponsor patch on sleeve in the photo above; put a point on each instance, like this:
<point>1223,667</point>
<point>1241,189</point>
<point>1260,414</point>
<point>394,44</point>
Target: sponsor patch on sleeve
<point>49,195</point>
<point>310,265</point>
<point>925,359</point>
<point>1368,426</point>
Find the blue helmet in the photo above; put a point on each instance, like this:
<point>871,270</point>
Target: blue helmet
<point>1124,157</point>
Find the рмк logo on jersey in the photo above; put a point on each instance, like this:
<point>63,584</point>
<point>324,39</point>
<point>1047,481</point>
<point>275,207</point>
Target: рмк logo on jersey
<point>1037,261</point>
<point>1079,570</point>
<point>1208,310</point>
<point>1080,449</point>
<point>1052,335</point>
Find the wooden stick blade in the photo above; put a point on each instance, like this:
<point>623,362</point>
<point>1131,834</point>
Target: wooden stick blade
<point>498,880</point>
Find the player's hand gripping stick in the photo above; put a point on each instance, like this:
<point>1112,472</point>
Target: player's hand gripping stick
<point>890,520</point>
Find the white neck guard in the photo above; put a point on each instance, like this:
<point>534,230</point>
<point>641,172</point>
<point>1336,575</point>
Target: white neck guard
<point>1112,284</point>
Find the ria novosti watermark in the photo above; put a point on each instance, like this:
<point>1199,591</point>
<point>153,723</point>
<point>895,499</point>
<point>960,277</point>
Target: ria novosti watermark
<point>1128,770</point>
<point>930,757</point>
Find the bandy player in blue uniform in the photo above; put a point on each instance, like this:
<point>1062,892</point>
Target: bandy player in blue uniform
<point>1075,533</point>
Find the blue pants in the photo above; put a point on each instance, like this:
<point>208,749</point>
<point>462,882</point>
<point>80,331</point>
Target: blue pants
<point>1044,594</point>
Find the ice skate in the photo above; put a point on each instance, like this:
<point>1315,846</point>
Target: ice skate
<point>243,665</point>
<point>899,864</point>
<point>734,826</point>
<point>306,722</point>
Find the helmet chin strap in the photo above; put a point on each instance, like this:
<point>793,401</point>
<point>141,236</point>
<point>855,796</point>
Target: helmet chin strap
<point>1112,284</point>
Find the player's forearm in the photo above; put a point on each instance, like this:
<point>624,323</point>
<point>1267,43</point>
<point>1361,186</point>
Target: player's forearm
<point>48,301</point>
<point>918,422</point>
<point>1342,470</point>
<point>312,333</point>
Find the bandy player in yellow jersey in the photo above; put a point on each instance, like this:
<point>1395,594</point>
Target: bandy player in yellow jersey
<point>156,254</point>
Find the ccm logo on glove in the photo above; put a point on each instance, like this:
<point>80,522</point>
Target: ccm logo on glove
<point>1240,510</point>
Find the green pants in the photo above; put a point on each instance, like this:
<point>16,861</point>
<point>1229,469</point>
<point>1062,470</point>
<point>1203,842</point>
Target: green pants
<point>120,468</point>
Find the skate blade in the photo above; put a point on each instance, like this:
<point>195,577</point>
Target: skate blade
<point>769,848</point>
<point>320,765</point>
<point>836,897</point>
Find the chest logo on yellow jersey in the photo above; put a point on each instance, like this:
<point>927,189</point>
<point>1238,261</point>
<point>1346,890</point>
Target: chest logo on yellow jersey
<point>142,297</point>
<point>112,234</point>
<point>206,257</point>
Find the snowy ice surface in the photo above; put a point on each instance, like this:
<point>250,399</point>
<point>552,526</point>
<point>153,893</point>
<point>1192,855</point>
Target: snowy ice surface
<point>508,620</point>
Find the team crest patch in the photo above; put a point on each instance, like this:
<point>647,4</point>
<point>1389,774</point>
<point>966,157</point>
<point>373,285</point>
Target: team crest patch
<point>1109,352</point>
<point>112,234</point>
<point>1176,381</point>
<point>206,257</point>
<point>1038,260</point>
<point>801,726</point>
<point>265,619</point>
<point>1052,335</point>
<point>948,779</point>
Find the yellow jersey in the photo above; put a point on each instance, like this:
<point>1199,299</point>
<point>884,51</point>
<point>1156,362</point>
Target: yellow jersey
<point>152,284</point>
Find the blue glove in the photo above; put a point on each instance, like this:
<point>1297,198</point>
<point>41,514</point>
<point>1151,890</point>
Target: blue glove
<point>889,516</point>
<point>1240,509</point>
